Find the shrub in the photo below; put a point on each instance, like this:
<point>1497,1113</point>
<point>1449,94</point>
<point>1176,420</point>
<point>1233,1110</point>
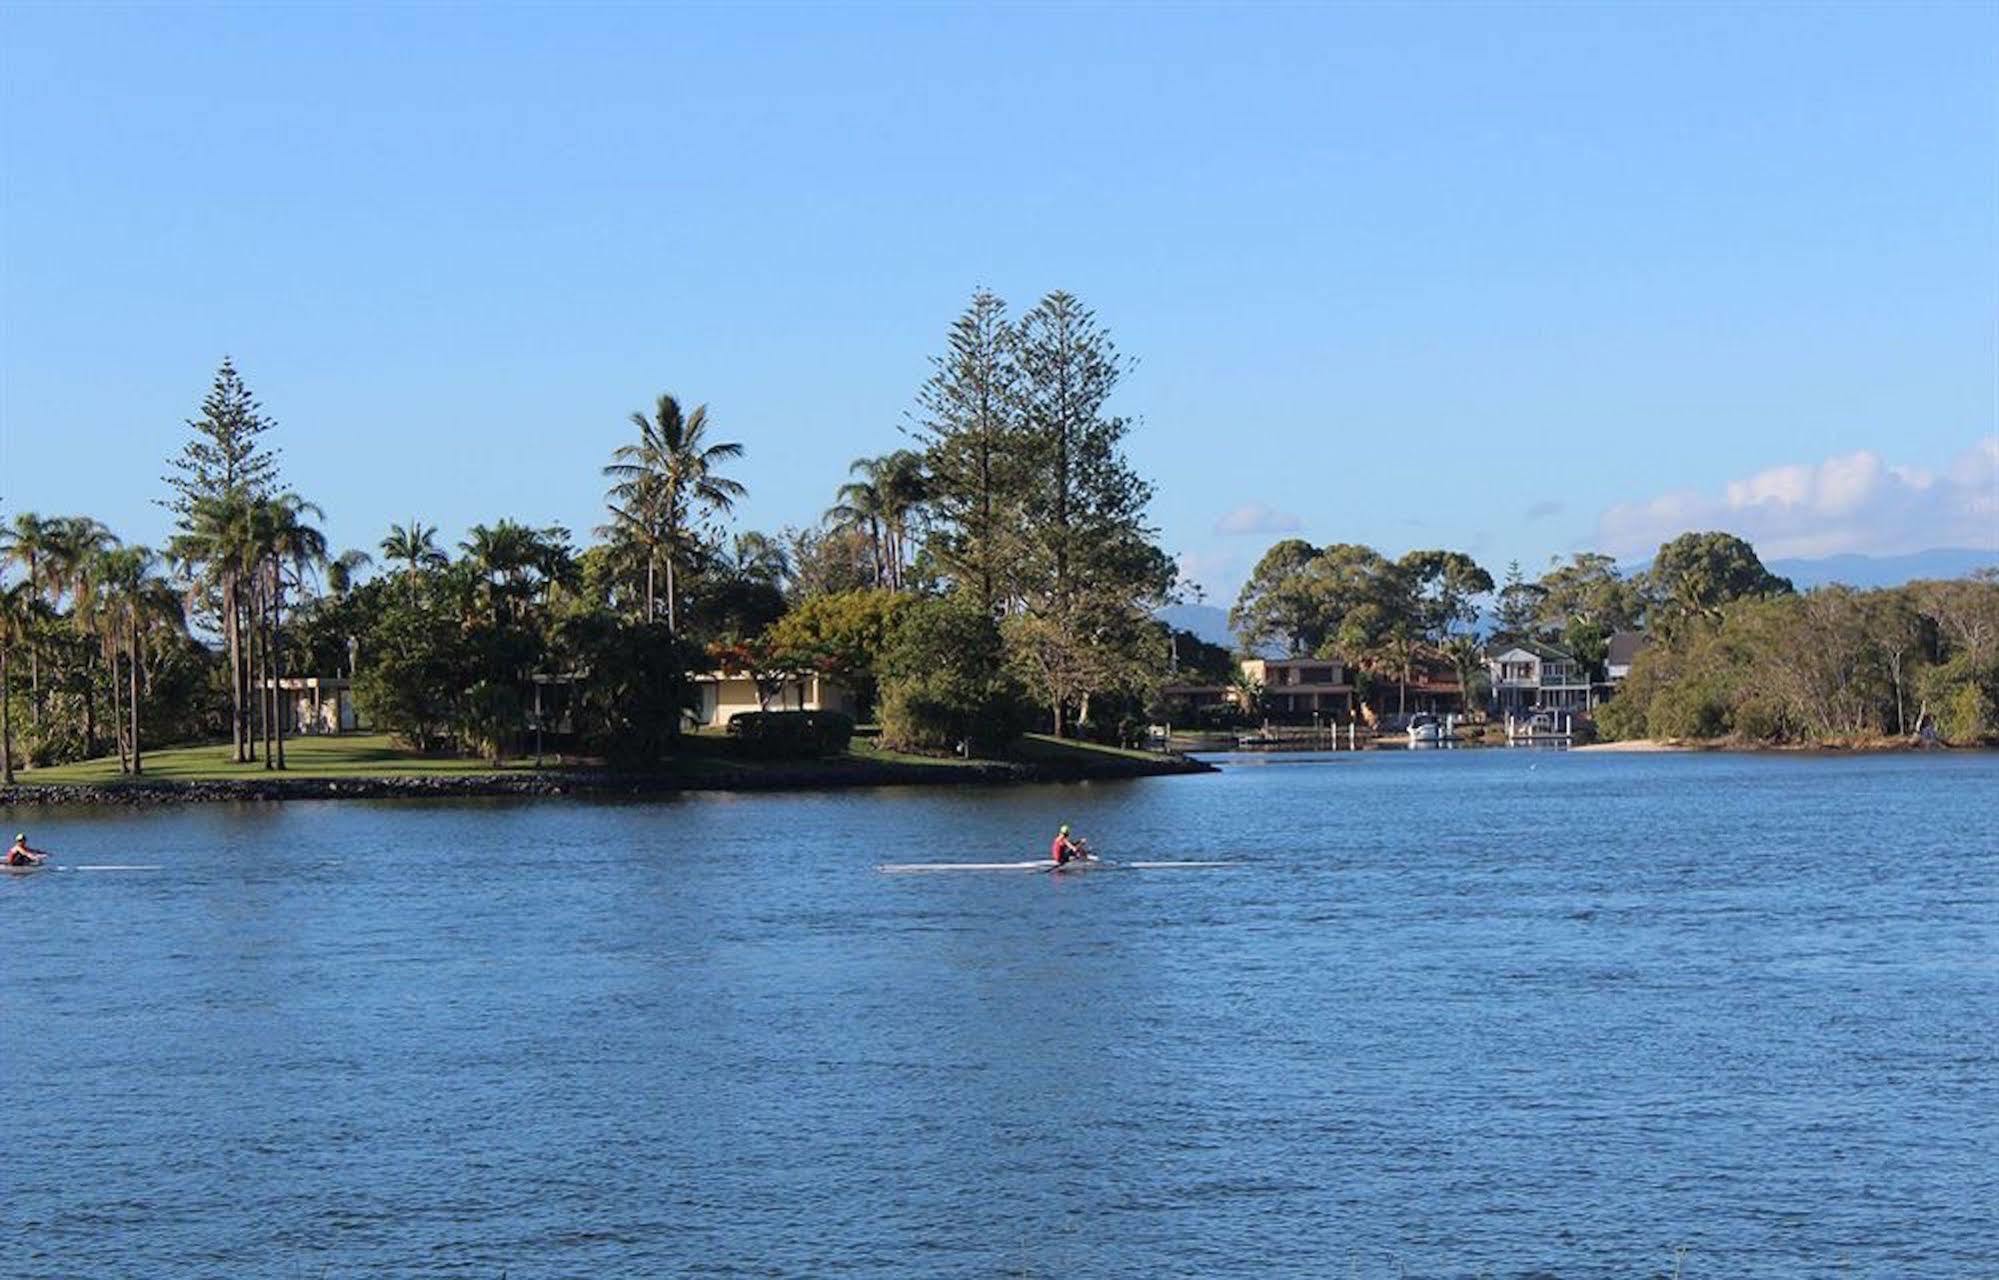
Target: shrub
<point>944,682</point>
<point>791,735</point>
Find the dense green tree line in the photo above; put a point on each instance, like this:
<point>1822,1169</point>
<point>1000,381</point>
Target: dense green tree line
<point>998,577</point>
<point>1004,564</point>
<point>1829,665</point>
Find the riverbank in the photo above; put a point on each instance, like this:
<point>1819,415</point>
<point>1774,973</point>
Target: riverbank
<point>370,768</point>
<point>1831,746</point>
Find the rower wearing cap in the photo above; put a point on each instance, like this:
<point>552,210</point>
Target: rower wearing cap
<point>1065,850</point>
<point>22,856</point>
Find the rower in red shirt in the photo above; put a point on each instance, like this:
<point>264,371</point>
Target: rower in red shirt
<point>1065,850</point>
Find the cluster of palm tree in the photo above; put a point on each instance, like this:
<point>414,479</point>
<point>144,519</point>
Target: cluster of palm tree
<point>884,502</point>
<point>518,565</point>
<point>666,484</point>
<point>241,555</point>
<point>118,605</point>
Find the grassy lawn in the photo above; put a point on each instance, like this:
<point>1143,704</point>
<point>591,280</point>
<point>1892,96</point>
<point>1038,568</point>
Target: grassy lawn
<point>373,756</point>
<point>1040,748</point>
<point>348,756</point>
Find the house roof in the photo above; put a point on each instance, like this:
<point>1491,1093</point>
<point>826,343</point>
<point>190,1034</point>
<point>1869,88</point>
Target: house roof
<point>1545,652</point>
<point>1624,646</point>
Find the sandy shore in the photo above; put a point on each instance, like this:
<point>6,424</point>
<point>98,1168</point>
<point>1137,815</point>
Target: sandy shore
<point>1633,744</point>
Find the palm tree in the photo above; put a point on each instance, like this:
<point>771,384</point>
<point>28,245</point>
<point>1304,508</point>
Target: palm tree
<point>340,570</point>
<point>217,553</point>
<point>884,502</point>
<point>862,507</point>
<point>126,600</point>
<point>16,605</point>
<point>27,542</point>
<point>1467,658</point>
<point>757,557</point>
<point>414,545</point>
<point>77,542</point>
<point>285,541</point>
<point>664,483</point>
<point>516,561</point>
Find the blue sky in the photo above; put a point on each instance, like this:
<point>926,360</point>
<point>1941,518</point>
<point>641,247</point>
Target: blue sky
<point>1512,279</point>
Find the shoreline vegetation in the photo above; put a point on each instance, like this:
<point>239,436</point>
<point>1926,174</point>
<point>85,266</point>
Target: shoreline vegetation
<point>999,579</point>
<point>370,767</point>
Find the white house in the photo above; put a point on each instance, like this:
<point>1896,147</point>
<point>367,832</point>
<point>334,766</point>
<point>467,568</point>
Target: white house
<point>722,694</point>
<point>1530,676</point>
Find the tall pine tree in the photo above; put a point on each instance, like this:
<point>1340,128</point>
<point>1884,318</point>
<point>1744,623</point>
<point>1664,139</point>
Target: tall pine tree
<point>225,459</point>
<point>1095,571</point>
<point>217,481</point>
<point>969,423</point>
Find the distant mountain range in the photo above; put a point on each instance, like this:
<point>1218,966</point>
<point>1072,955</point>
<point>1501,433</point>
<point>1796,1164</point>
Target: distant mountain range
<point>1204,620</point>
<point>1212,623</point>
<point>1883,571</point>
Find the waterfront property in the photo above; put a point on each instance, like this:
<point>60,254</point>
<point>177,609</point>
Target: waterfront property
<point>314,705</point>
<point>1301,688</point>
<point>721,694</point>
<point>1622,651</point>
<point>1529,676</point>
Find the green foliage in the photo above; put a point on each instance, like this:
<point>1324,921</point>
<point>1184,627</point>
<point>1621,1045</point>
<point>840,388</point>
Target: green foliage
<point>828,562</point>
<point>970,423</point>
<point>791,735</point>
<point>225,457</point>
<point>1198,662</point>
<point>1832,665</point>
<point>489,718</point>
<point>944,681</point>
<point>1519,603</point>
<point>842,637</point>
<point>1963,698</point>
<point>414,665</point>
<point>1697,574</point>
<point>1589,590</point>
<point>636,689</point>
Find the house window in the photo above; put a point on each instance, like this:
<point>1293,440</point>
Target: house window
<point>1315,675</point>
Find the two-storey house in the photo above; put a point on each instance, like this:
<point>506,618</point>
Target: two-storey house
<point>1530,676</point>
<point>1299,688</point>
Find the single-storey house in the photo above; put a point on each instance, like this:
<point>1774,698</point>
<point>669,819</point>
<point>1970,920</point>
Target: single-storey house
<point>721,694</point>
<point>315,705</point>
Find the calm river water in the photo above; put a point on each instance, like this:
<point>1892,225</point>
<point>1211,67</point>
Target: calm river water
<point>1456,1014</point>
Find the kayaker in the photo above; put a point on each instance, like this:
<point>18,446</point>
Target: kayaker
<point>22,856</point>
<point>1064,850</point>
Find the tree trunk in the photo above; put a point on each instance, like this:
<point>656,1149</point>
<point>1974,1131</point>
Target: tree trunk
<point>132,698</point>
<point>233,640</point>
<point>672,613</point>
<point>89,707</point>
<point>6,723</point>
<point>118,703</point>
<point>278,661</point>
<point>267,702</point>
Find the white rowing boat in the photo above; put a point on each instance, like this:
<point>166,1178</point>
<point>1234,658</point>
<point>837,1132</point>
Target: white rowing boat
<point>1041,865</point>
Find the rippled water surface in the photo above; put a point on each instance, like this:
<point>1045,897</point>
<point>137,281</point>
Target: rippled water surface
<point>1457,1014</point>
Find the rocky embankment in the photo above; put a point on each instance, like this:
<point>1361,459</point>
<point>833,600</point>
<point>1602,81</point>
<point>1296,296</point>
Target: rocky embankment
<point>801,776</point>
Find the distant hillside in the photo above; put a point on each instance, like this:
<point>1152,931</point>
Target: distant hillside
<point>1204,620</point>
<point>1884,571</point>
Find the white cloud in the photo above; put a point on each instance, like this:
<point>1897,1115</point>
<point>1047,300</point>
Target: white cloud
<point>1853,502</point>
<point>1258,517</point>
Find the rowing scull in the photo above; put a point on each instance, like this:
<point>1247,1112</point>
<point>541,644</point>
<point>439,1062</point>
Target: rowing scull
<point>1039,864</point>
